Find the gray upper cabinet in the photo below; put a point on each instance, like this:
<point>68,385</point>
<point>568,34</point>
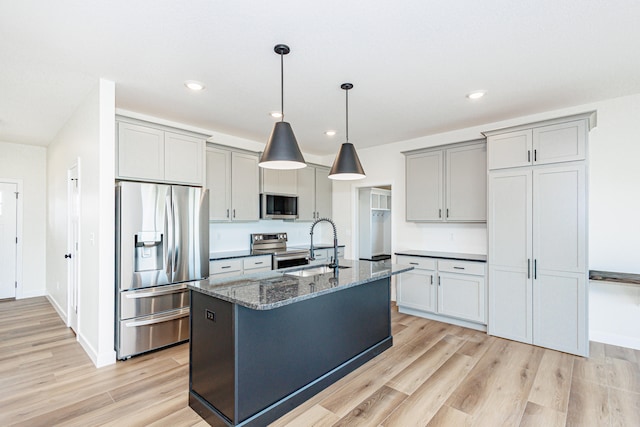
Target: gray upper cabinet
<point>276,181</point>
<point>447,184</point>
<point>232,180</point>
<point>537,145</point>
<point>314,193</point>
<point>424,186</point>
<point>156,153</point>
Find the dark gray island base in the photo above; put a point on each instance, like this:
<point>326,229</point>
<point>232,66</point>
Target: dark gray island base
<point>250,364</point>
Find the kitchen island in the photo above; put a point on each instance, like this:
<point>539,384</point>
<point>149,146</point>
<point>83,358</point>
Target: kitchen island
<point>262,344</point>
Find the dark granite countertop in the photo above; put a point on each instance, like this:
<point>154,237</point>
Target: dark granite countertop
<point>445,255</point>
<point>277,288</point>
<point>612,276</point>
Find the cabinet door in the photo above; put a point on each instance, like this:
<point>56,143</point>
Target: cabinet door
<point>560,143</point>
<point>277,181</point>
<point>183,158</point>
<point>424,186</point>
<point>324,198</point>
<point>466,183</point>
<point>219,184</point>
<point>417,289</point>
<point>511,149</point>
<point>462,296</point>
<point>140,152</point>
<point>559,219</point>
<point>510,254</point>
<point>244,187</point>
<point>560,312</point>
<point>306,194</point>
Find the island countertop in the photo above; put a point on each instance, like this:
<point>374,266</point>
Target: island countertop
<point>277,288</point>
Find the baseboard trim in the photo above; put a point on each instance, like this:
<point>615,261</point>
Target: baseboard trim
<point>57,308</point>
<point>613,339</point>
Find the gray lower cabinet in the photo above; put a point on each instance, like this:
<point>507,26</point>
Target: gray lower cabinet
<point>447,184</point>
<point>451,291</point>
<point>238,266</point>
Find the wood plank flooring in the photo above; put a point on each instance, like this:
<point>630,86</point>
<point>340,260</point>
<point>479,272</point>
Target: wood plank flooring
<point>434,375</point>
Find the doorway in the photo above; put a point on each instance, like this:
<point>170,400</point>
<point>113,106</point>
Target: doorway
<point>374,223</point>
<point>8,239</point>
<point>72,255</point>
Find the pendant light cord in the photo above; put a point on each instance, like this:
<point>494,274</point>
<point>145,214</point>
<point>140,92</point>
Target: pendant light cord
<point>282,87</point>
<point>347,114</point>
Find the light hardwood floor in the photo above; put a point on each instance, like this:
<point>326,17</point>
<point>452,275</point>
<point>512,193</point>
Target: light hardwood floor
<point>435,374</point>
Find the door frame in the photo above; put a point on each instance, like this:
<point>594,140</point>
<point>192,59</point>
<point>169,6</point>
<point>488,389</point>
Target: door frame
<point>76,254</point>
<point>19,217</point>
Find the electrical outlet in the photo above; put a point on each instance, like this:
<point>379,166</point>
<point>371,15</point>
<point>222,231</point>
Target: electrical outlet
<point>210,315</point>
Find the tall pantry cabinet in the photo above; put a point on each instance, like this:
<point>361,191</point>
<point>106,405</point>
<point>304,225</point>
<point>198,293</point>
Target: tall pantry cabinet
<point>537,233</point>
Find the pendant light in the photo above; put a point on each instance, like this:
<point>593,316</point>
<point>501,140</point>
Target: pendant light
<point>282,151</point>
<point>347,165</point>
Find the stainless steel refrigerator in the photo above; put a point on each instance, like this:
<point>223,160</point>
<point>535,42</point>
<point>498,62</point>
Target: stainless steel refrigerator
<point>162,242</point>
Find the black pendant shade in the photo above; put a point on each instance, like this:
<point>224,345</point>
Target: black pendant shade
<point>282,151</point>
<point>347,165</point>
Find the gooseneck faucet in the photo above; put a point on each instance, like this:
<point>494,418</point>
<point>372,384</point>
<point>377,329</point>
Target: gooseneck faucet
<point>334,264</point>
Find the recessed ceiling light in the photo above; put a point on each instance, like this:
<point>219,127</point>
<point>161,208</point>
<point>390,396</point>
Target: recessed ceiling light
<point>275,114</point>
<point>476,94</point>
<point>194,85</point>
<point>330,132</point>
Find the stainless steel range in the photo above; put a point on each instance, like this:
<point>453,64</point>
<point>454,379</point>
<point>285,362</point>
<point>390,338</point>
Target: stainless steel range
<point>276,244</point>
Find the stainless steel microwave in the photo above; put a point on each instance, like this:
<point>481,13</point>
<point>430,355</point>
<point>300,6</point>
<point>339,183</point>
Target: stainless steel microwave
<point>278,206</point>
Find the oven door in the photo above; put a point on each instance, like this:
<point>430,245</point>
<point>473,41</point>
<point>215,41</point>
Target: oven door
<point>290,260</point>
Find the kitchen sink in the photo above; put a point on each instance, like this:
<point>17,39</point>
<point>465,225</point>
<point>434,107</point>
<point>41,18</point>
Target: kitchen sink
<point>312,271</point>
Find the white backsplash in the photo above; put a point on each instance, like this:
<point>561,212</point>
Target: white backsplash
<point>236,236</point>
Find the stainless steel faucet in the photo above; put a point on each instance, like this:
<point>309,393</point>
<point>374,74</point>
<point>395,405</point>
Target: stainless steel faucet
<point>334,264</point>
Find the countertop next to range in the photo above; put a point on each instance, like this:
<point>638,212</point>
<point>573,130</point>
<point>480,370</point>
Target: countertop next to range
<point>445,255</point>
<point>216,256</point>
<point>273,289</point>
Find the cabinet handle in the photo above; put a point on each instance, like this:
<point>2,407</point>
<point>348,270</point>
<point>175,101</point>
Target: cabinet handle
<point>256,263</point>
<point>447,212</point>
<point>458,268</point>
<point>413,263</point>
<point>439,213</point>
<point>535,269</point>
<point>225,266</point>
<point>528,155</point>
<point>234,213</point>
<point>431,279</point>
<point>438,280</point>
<point>535,155</point>
<point>528,268</point>
<point>227,213</point>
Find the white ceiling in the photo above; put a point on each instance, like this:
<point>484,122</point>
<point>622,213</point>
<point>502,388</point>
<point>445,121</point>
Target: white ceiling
<point>411,63</point>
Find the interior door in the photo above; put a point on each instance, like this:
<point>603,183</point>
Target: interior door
<point>8,239</point>
<point>73,227</point>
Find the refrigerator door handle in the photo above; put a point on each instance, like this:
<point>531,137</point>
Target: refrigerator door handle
<point>169,231</point>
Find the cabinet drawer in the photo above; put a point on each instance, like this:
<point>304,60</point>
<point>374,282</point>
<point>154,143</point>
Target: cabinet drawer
<point>463,267</point>
<point>225,266</point>
<point>418,262</point>
<point>257,262</point>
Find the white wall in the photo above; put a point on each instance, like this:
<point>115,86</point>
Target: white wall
<point>29,164</point>
<point>88,138</point>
